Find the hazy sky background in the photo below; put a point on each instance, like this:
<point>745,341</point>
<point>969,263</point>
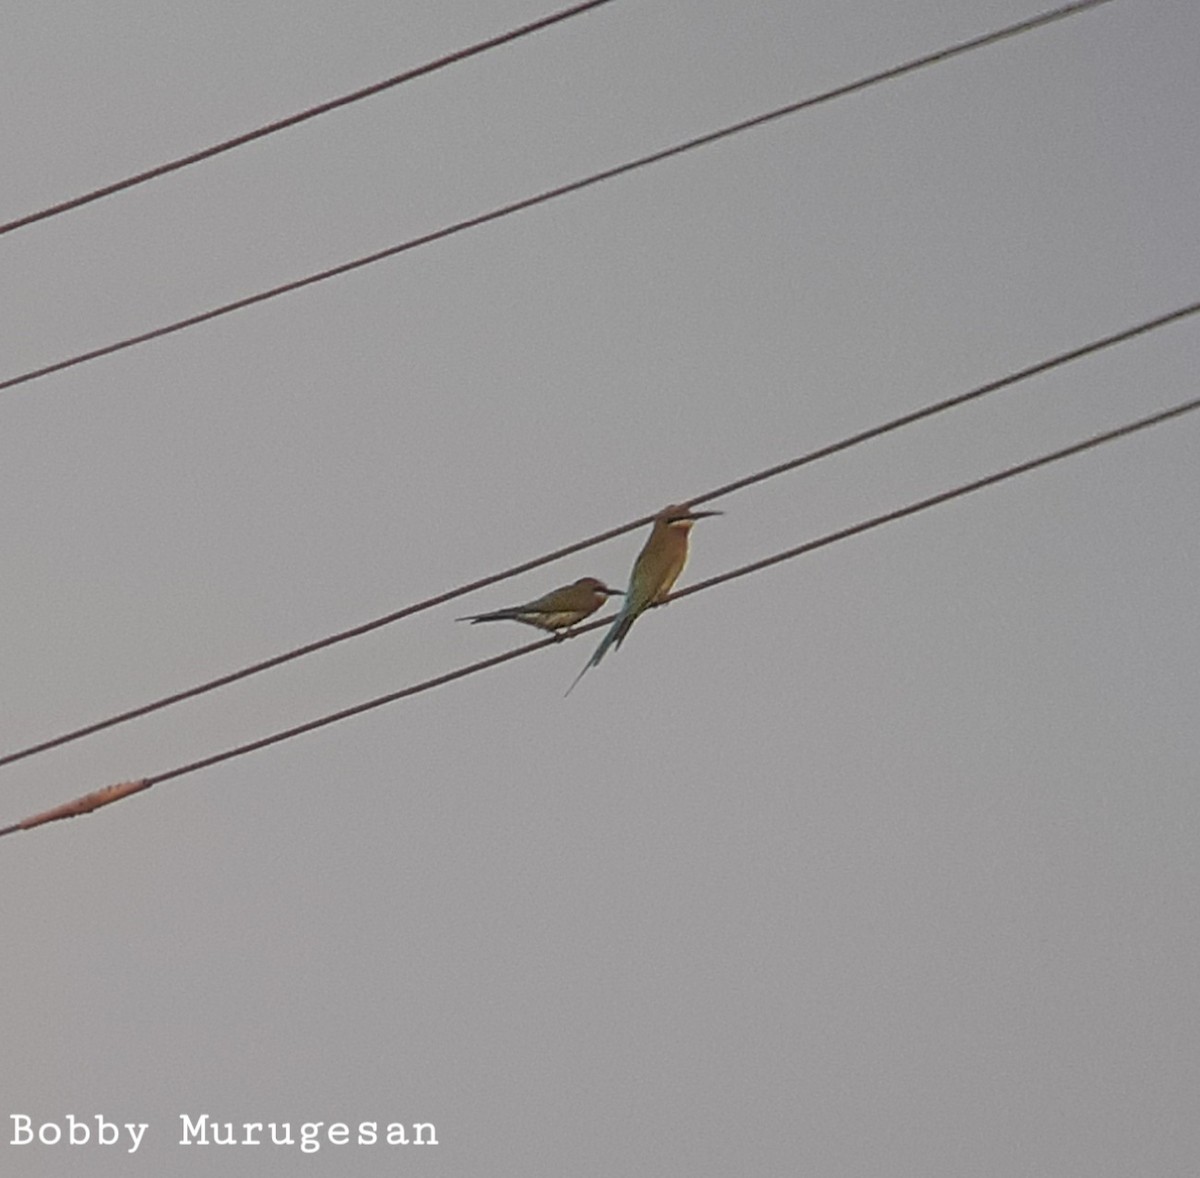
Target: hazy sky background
<point>880,862</point>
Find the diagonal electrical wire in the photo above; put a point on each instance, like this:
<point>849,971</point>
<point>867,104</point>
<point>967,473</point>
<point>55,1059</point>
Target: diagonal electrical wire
<point>301,116</point>
<point>550,194</point>
<point>1096,345</point>
<point>113,793</point>
<point>570,549</point>
<point>945,496</point>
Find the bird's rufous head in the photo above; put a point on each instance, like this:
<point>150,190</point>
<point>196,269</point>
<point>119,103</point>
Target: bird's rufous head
<point>598,586</point>
<point>679,515</point>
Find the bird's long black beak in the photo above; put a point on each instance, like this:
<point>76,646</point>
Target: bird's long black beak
<point>693,514</point>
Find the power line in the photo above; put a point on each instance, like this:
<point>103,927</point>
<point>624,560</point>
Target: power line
<point>114,793</point>
<point>300,117</point>
<point>945,496</point>
<point>982,390</point>
<point>570,549</point>
<point>561,190</point>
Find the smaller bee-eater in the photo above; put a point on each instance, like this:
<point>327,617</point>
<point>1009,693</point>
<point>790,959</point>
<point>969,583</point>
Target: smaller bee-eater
<point>655,571</point>
<point>557,610</point>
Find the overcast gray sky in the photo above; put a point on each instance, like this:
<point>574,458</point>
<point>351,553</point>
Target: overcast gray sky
<point>879,862</point>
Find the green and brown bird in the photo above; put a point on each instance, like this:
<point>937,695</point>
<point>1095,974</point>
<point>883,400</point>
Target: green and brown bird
<point>656,569</point>
<point>556,611</point>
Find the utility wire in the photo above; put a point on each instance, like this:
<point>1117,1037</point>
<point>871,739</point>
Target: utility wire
<point>300,117</point>
<point>945,496</point>
<point>550,194</point>
<point>579,546</point>
<point>982,390</point>
<point>113,793</point>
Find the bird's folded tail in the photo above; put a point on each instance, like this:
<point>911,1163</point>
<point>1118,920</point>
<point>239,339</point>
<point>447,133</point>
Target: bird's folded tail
<point>500,615</point>
<point>616,633</point>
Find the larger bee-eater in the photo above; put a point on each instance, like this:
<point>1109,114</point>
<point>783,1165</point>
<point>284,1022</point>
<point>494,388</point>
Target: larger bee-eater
<point>557,610</point>
<point>656,569</point>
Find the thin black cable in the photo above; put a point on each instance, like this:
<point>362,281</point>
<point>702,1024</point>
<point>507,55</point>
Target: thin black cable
<point>561,190</point>
<point>945,496</point>
<point>112,793</point>
<point>300,117</point>
<point>949,403</point>
<point>570,549</point>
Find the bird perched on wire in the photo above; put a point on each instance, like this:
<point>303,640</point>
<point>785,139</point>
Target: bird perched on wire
<point>556,611</point>
<point>656,569</point>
